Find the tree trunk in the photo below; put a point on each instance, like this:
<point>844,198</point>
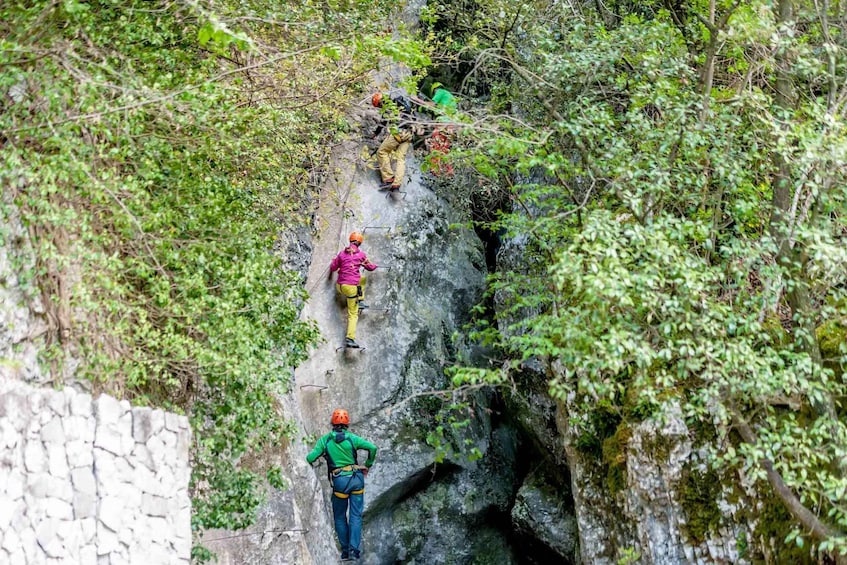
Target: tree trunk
<point>782,220</point>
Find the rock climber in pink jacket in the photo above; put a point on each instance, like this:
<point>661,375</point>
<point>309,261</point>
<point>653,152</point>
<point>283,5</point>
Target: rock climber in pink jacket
<point>350,282</point>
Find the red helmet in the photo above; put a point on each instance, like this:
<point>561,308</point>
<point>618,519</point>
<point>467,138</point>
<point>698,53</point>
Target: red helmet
<point>340,416</point>
<point>357,238</point>
<point>376,99</point>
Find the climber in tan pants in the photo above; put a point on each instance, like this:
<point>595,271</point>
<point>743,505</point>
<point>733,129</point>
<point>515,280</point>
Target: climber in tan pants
<point>400,132</point>
<point>398,144</point>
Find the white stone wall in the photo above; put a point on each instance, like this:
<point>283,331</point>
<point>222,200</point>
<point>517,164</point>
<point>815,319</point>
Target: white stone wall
<point>86,481</point>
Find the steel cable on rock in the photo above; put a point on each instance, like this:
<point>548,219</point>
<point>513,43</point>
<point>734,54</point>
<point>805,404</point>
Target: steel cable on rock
<point>344,224</point>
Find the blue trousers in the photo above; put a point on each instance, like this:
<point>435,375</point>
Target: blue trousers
<point>349,531</point>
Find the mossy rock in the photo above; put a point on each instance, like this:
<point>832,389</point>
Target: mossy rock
<point>410,432</point>
<point>699,494</point>
<point>406,523</point>
<point>489,548</point>
<point>603,424</point>
<point>772,326</point>
<point>831,338</point>
<point>614,457</point>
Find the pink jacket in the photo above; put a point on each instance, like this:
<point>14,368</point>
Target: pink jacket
<point>348,262</point>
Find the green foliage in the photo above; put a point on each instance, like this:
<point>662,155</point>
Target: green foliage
<point>629,556</point>
<point>275,478</point>
<point>155,151</point>
<point>648,272</point>
<point>451,436</point>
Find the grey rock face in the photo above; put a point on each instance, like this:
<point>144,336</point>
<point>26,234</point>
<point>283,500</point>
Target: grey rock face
<point>432,273</point>
<point>447,518</point>
<point>647,516</point>
<point>432,276</point>
<point>539,512</point>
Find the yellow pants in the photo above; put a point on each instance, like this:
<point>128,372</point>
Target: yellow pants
<point>393,143</point>
<point>351,293</point>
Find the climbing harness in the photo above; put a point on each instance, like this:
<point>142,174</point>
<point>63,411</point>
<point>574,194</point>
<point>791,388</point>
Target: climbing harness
<point>340,493</point>
<point>348,468</point>
<point>334,473</point>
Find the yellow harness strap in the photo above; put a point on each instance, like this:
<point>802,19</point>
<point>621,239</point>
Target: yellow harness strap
<point>342,495</point>
<point>346,468</point>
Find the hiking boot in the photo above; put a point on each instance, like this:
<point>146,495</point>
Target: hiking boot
<point>362,305</point>
<point>351,343</point>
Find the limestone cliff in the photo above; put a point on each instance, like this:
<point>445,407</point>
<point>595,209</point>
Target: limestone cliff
<point>431,273</point>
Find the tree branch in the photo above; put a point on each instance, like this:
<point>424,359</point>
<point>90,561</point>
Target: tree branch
<point>163,98</point>
<point>817,529</point>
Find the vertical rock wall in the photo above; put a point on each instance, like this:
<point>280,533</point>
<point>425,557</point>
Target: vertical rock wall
<point>91,481</point>
<point>647,514</point>
<point>432,272</point>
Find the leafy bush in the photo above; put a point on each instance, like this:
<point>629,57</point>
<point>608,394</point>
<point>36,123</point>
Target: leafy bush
<point>155,150</point>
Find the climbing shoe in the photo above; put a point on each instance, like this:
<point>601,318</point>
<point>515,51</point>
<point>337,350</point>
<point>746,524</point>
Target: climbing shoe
<point>394,187</point>
<point>362,305</point>
<point>351,343</point>
<point>387,184</point>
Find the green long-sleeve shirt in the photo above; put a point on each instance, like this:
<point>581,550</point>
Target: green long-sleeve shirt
<point>444,99</point>
<point>340,446</point>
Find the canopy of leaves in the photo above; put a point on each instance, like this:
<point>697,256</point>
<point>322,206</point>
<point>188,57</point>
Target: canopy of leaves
<point>678,234</point>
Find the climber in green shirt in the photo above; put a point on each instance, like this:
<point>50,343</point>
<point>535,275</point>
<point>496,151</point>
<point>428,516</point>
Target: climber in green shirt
<point>441,97</point>
<point>340,449</point>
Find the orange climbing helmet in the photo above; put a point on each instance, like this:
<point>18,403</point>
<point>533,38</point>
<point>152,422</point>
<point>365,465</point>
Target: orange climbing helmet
<point>376,99</point>
<point>340,417</point>
<point>357,238</point>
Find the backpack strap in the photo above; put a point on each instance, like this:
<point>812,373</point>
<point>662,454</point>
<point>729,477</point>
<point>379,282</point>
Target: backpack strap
<point>331,466</point>
<point>403,102</point>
